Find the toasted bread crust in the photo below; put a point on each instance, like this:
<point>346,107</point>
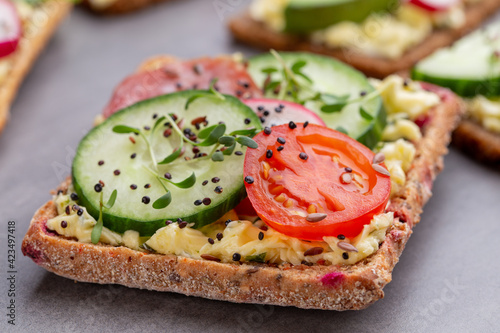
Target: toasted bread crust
<point>319,287</point>
<point>26,55</point>
<point>478,142</point>
<point>122,6</point>
<point>249,31</point>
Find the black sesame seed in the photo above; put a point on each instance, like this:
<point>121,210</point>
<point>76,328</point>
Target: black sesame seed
<point>147,128</point>
<point>345,255</point>
<point>145,200</point>
<point>281,140</point>
<point>168,222</point>
<point>198,202</point>
<point>249,180</point>
<point>266,113</point>
<point>183,224</point>
<point>236,257</point>
<point>74,196</point>
<point>207,201</point>
<point>239,93</point>
<point>219,236</point>
<point>261,235</point>
<point>68,210</point>
<point>306,124</point>
<point>179,220</point>
<point>280,148</point>
<point>155,116</point>
<point>260,108</point>
<point>269,153</point>
<point>64,224</point>
<point>247,121</point>
<point>292,125</point>
<point>267,130</point>
<point>218,190</point>
<point>98,187</point>
<point>168,175</point>
<point>303,156</point>
<point>101,162</point>
<point>278,110</point>
<point>341,237</point>
<point>228,221</point>
<point>147,186</point>
<point>79,212</point>
<point>238,153</point>
<point>133,187</point>
<point>362,93</point>
<point>281,106</point>
<point>116,172</point>
<point>205,182</point>
<point>262,120</point>
<point>211,241</point>
<point>347,169</point>
<point>133,155</point>
<point>215,180</point>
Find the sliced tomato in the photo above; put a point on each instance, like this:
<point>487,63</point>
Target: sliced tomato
<point>274,112</point>
<point>308,176</point>
<point>434,5</point>
<point>245,208</point>
<point>175,75</point>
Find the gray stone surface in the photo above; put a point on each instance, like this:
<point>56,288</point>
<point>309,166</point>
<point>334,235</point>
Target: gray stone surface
<point>446,281</point>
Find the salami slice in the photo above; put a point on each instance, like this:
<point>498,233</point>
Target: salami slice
<point>176,75</point>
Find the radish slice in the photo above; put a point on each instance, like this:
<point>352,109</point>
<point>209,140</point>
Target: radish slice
<point>276,112</point>
<point>10,28</point>
<point>434,5</point>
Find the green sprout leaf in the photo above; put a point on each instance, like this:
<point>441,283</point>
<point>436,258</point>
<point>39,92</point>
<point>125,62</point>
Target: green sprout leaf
<point>246,132</point>
<point>163,201</point>
<point>272,85</point>
<point>297,69</point>
<point>257,258</point>
<point>122,129</point>
<point>158,122</point>
<point>111,200</point>
<point>214,136</point>
<point>192,99</point>
<point>229,150</point>
<point>97,231</point>
<point>186,183</point>
<point>218,156</point>
<point>269,70</point>
<point>246,141</point>
<point>172,157</point>
<point>227,141</point>
<point>206,131</point>
<point>214,91</point>
<point>365,114</point>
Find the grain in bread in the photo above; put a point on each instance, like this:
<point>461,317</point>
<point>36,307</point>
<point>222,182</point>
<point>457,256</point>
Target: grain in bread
<point>119,6</point>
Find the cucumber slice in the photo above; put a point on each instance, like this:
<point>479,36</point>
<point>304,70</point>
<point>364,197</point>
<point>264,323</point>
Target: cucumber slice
<point>330,76</point>
<point>468,68</point>
<point>304,16</point>
<point>129,211</point>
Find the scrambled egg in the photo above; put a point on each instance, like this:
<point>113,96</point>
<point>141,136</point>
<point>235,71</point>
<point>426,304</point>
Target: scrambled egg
<point>405,97</point>
<point>486,112</point>
<point>271,12</point>
<point>242,237</point>
<point>398,158</point>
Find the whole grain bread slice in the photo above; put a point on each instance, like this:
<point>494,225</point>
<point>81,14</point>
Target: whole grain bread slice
<point>249,31</point>
<point>28,52</point>
<point>475,140</point>
<point>347,287</point>
<point>121,6</point>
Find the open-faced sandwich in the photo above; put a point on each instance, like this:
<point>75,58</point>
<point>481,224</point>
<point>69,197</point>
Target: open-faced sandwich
<point>118,6</point>
<point>25,28</point>
<point>471,68</point>
<point>291,180</point>
<point>379,37</point>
